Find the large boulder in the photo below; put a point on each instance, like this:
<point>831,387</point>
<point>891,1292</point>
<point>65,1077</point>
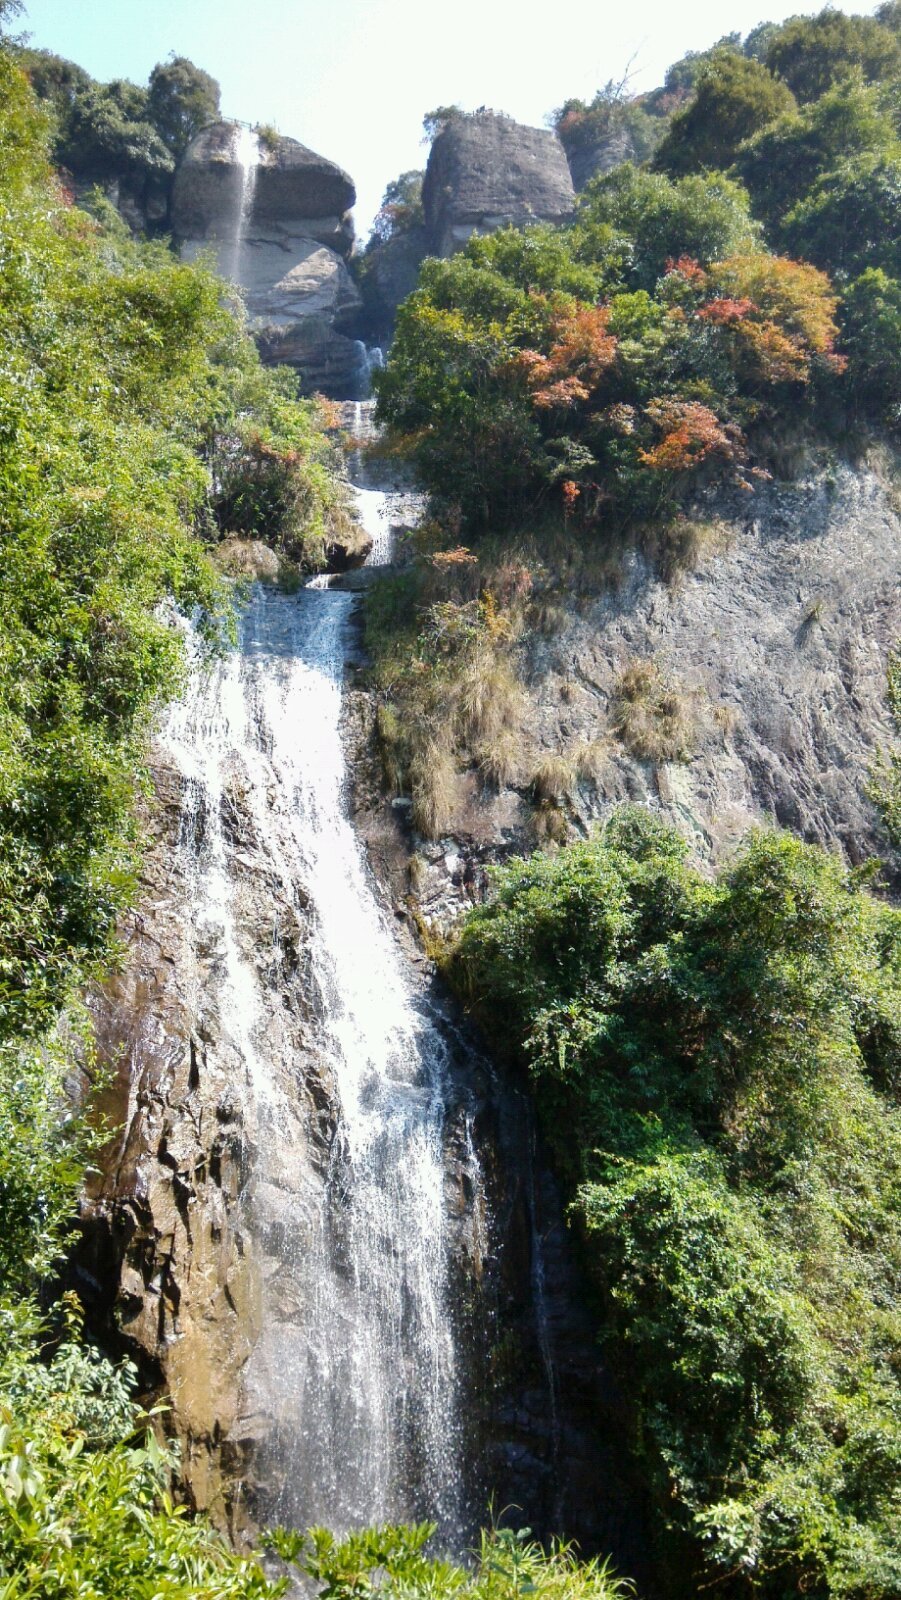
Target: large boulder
<point>277,218</point>
<point>486,170</point>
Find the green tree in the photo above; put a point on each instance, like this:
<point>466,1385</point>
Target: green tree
<point>401,207</point>
<point>704,217</point>
<point>716,1065</point>
<point>106,133</point>
<point>871,337</point>
<point>734,97</point>
<point>783,162</point>
<point>812,53</point>
<point>851,218</point>
<point>181,99</point>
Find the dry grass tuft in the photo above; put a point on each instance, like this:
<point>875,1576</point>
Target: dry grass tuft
<point>590,760</point>
<point>489,699</point>
<point>433,789</point>
<point>389,739</point>
<point>554,778</point>
<point>726,718</point>
<point>654,719</point>
<point>549,825</point>
<point>499,759</point>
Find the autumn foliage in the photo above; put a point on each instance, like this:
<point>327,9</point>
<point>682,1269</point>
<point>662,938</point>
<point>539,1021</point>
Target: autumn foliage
<point>690,434</point>
<point>512,392</point>
<point>581,352</point>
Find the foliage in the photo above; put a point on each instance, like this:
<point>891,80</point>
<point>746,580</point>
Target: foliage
<point>119,131</point>
<point>85,1488</point>
<point>392,1561</point>
<point>885,780</point>
<point>851,218</point>
<point>734,97</point>
<point>613,121</point>
<point>871,336</point>
<point>783,162</point>
<point>537,369</point>
<point>181,99</point>
<point>401,207</point>
<point>434,121</point>
<point>811,53</point>
<point>704,218</point>
<point>716,1067</point>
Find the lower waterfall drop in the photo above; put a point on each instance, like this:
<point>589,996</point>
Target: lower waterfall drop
<point>355,1370</point>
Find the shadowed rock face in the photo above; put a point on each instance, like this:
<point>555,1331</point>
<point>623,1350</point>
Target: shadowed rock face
<point>593,161</point>
<point>485,171</point>
<point>288,254</point>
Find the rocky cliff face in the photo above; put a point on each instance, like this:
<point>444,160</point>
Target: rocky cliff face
<point>164,1266</point>
<point>486,170</point>
<point>767,642</point>
<point>587,161</point>
<point>291,256</point>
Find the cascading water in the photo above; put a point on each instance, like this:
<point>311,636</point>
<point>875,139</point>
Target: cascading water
<point>245,152</point>
<point>355,1372</point>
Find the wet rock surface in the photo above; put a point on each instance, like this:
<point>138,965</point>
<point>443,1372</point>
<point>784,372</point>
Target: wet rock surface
<point>165,1266</point>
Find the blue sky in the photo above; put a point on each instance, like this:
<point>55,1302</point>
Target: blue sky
<point>353,78</point>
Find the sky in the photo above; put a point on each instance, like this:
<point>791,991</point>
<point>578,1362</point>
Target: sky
<point>352,79</point>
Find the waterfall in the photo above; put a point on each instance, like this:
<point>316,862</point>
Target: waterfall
<point>355,1374</point>
<point>245,153</point>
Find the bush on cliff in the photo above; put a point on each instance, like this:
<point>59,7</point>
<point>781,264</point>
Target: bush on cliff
<point>716,1066</point>
<point>603,368</point>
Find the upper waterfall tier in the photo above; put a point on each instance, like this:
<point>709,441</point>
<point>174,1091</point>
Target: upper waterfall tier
<point>283,239</point>
<point>294,185</point>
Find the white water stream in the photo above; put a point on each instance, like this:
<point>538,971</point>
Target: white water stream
<point>357,1377</point>
<point>246,157</point>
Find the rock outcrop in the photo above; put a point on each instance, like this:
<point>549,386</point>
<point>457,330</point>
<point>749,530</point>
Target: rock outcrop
<point>771,632</point>
<point>587,161</point>
<point>486,170</point>
<point>283,231</point>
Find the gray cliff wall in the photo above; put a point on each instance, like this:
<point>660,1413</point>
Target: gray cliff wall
<point>775,638</point>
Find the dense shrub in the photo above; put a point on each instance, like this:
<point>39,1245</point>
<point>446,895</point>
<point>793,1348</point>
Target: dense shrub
<point>538,369</point>
<point>392,1561</point>
<point>783,162</point>
<point>716,1067</point>
<point>734,97</point>
<point>851,218</point>
<point>119,132</point>
<point>810,54</point>
<point>85,1489</point>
